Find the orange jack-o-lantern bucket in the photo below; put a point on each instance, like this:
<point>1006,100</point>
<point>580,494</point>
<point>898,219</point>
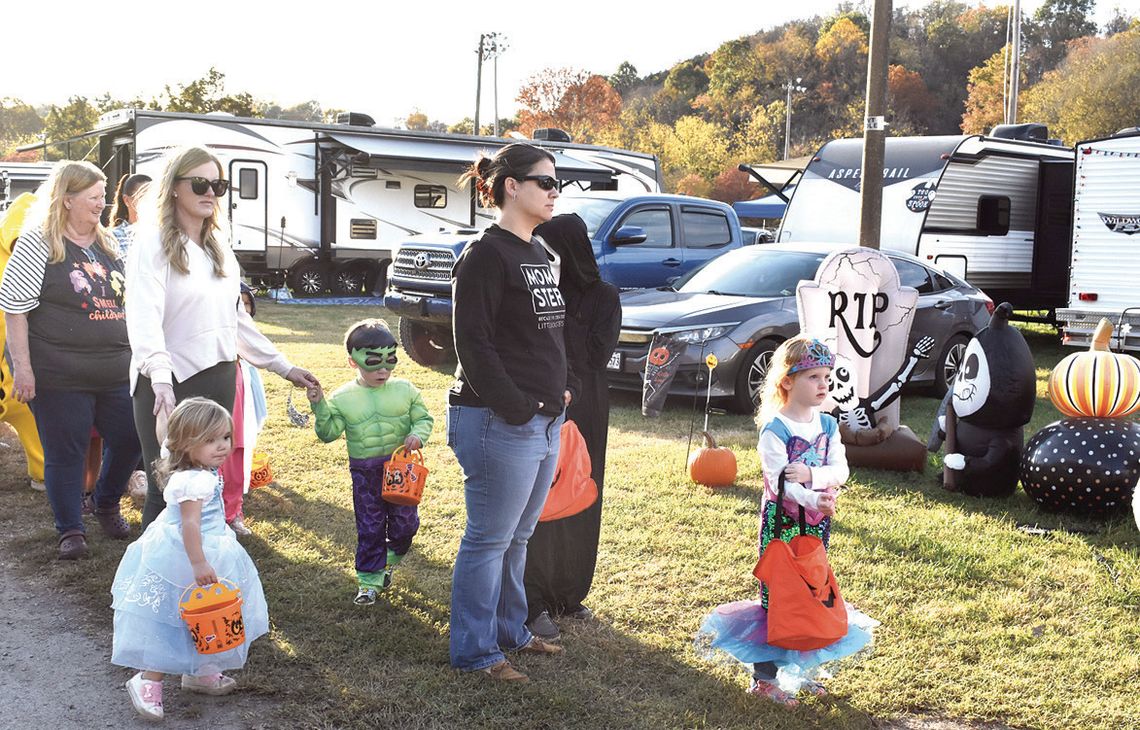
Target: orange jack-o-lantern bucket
<point>213,615</point>
<point>260,474</point>
<point>404,477</point>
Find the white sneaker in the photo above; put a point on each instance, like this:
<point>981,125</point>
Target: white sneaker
<point>209,684</point>
<point>146,696</point>
<point>37,485</point>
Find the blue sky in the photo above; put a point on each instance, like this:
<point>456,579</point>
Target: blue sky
<point>382,58</point>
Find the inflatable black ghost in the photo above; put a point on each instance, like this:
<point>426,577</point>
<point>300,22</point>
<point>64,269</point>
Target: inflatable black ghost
<point>992,399</point>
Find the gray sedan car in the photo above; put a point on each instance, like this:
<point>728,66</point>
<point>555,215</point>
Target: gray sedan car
<point>742,305</point>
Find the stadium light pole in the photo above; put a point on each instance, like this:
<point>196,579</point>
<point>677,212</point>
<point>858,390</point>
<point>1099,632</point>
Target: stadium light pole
<point>790,87</point>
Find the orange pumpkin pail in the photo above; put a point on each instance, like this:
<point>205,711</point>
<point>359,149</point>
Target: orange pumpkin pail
<point>213,615</point>
<point>260,474</point>
<point>404,477</point>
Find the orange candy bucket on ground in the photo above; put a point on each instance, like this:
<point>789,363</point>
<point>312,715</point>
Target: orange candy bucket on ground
<point>213,615</point>
<point>404,477</point>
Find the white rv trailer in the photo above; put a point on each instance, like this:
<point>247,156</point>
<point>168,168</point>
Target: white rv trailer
<point>322,206</point>
<point>993,210</point>
<point>1105,266</point>
<point>17,178</point>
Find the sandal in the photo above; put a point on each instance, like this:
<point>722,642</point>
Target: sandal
<point>112,522</point>
<point>814,688</point>
<point>772,692</point>
<point>72,545</point>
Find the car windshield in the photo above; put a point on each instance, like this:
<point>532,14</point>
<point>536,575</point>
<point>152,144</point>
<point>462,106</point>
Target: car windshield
<point>592,210</point>
<point>763,274</point>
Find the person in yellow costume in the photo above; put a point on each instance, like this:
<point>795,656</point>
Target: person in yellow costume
<point>13,411</point>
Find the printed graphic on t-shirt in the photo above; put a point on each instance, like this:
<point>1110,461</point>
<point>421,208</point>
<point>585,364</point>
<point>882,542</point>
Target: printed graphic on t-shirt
<point>544,295</point>
<point>101,290</point>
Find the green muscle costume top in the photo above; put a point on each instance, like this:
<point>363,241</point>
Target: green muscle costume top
<point>374,420</point>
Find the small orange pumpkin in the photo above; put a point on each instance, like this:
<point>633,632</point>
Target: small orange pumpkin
<point>658,356</point>
<point>1097,383</point>
<point>712,465</point>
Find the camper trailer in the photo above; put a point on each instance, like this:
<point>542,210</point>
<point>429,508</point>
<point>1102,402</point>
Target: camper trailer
<point>17,178</point>
<point>993,210</point>
<point>322,206</point>
<point>1104,267</point>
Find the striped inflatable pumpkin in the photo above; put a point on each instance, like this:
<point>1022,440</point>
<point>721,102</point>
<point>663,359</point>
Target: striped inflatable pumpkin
<point>1097,383</point>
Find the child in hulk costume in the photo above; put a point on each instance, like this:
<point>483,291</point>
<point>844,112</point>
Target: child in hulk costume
<point>377,413</point>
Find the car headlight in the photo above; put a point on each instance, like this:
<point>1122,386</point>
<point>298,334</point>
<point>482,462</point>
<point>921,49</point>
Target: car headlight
<point>703,334</point>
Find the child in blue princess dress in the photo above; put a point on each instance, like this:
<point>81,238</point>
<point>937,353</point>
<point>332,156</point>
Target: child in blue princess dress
<point>187,544</point>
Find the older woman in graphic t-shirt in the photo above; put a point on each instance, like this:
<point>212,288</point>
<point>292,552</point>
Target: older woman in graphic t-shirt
<point>62,295</point>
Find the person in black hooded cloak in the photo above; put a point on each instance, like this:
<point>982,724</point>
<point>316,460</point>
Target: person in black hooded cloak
<point>561,554</point>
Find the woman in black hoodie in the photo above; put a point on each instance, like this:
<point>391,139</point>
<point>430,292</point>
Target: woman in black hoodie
<point>505,408</point>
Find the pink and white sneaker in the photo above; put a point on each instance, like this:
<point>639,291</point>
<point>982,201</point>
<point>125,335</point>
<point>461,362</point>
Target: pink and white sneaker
<point>209,684</point>
<point>146,696</point>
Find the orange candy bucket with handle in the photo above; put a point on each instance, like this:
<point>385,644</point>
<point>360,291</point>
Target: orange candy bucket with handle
<point>213,615</point>
<point>404,477</point>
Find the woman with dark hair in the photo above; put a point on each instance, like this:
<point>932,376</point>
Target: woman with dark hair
<point>125,212</point>
<point>186,322</point>
<point>562,553</point>
<point>505,408</point>
<point>62,295</point>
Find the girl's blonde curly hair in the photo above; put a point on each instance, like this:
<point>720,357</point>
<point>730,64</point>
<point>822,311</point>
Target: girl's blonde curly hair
<point>193,422</point>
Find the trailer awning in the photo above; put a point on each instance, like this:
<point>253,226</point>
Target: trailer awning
<point>440,156</point>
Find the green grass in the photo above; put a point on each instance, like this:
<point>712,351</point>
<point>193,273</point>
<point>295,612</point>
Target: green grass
<point>980,620</point>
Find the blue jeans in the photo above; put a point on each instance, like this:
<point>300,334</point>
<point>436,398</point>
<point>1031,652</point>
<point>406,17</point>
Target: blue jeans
<point>64,419</point>
<point>507,472</point>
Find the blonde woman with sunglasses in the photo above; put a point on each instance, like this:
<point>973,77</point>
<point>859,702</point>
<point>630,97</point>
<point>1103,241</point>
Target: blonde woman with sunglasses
<point>185,318</point>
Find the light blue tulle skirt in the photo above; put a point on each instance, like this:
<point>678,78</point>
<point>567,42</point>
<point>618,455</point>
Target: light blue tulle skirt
<point>740,630</point>
<point>152,576</point>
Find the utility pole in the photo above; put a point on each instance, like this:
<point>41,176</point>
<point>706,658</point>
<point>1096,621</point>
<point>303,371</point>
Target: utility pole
<point>1015,67</point>
<point>478,81</point>
<point>875,128</point>
<point>790,87</point>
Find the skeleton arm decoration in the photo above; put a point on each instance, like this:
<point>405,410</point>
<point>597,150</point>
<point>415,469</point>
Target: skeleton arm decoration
<point>860,425</point>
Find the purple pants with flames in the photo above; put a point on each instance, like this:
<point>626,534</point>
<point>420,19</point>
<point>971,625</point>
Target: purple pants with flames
<point>380,525</point>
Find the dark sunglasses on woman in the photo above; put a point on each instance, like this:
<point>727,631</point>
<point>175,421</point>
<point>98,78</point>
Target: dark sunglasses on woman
<point>199,185</point>
<point>544,182</point>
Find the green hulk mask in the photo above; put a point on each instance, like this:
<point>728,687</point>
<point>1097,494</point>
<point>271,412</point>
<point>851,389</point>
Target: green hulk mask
<point>371,359</point>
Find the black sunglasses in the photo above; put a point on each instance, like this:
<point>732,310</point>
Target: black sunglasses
<point>199,185</point>
<point>544,182</point>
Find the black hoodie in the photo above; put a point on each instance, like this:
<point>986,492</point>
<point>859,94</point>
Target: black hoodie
<point>508,320</point>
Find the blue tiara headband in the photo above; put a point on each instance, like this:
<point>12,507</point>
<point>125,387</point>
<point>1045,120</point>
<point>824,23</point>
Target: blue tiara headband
<point>817,356</point>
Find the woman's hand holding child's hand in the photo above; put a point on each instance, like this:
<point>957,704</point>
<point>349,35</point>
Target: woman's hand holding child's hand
<point>314,393</point>
<point>798,473</point>
<point>204,573</point>
<point>412,443</point>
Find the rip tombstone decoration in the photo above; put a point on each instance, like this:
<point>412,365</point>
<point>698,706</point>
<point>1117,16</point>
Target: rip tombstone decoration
<point>857,305</point>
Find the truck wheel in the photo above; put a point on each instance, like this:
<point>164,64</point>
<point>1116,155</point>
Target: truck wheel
<point>750,377</point>
<point>428,346</point>
<point>309,279</point>
<point>948,363</point>
<point>348,281</point>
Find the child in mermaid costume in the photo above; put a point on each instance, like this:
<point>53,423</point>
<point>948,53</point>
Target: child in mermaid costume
<point>377,413</point>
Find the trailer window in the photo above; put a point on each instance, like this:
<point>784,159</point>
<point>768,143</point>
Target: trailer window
<point>705,229</point>
<point>993,215</point>
<point>431,196</point>
<point>247,183</point>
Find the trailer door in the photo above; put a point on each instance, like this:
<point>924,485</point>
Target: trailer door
<point>249,205</point>
<point>1052,242</point>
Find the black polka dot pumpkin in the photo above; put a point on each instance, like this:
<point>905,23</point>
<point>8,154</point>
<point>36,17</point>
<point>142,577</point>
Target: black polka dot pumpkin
<point>1087,466</point>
